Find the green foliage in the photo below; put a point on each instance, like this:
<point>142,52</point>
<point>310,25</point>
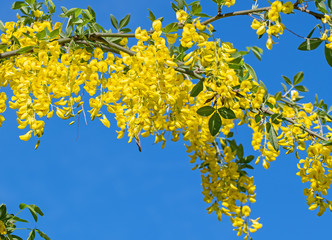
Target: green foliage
<point>215,124</point>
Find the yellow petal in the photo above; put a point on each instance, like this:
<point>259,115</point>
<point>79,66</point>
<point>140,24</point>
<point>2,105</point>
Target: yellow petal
<point>26,136</point>
<point>105,121</point>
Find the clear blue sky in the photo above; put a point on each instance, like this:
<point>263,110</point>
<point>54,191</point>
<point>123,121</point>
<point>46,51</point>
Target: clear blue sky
<point>97,187</point>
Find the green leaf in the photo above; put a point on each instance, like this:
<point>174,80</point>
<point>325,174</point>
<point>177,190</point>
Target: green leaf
<point>93,14</point>
<point>301,88</point>
<point>284,87</point>
<point>287,80</point>
<point>64,10</point>
<point>248,166</point>
<point>75,12</point>
<point>114,22</point>
<point>175,8</point>
<point>310,44</point>
<point>32,235</point>
<point>14,237</point>
<point>30,2</point>
<point>86,15</point>
<point>180,3</point>
<point>321,6</point>
<point>25,49</point>
<point>43,34</point>
<point>328,55</point>
<point>327,143</point>
<point>226,113</point>
<point>256,51</point>
<point>203,15</point>
<point>229,135</point>
<point>329,4</point>
<point>258,118</point>
<point>278,96</point>
<point>124,22</point>
<point>197,89</point>
<point>151,16</point>
<point>3,211</point>
<point>172,27</point>
<point>33,210</point>
<point>232,144</point>
<point>17,219</point>
<point>196,8</point>
<point>249,158</point>
<point>50,5</point>
<point>311,32</point>
<point>214,124</point>
<point>43,235</point>
<point>205,111</point>
<point>239,151</point>
<point>18,5</point>
<point>54,33</point>
<point>37,209</point>
<point>298,78</point>
<point>272,136</point>
<point>251,71</point>
<point>2,27</point>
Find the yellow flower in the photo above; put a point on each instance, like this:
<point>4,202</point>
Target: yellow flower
<point>308,107</point>
<point>287,7</point>
<point>324,36</point>
<point>199,26</point>
<point>326,18</point>
<point>105,121</point>
<point>98,53</point>
<point>260,30</point>
<point>26,136</point>
<point>156,25</point>
<point>181,16</point>
<point>3,230</point>
<point>38,13</point>
<point>294,95</point>
<point>269,43</point>
<point>171,38</point>
<point>229,3</point>
<point>124,41</point>
<point>255,24</point>
<point>246,210</point>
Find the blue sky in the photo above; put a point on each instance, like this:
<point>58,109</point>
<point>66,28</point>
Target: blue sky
<point>91,185</point>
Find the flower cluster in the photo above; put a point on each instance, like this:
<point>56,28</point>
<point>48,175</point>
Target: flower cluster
<point>149,91</point>
<point>272,23</point>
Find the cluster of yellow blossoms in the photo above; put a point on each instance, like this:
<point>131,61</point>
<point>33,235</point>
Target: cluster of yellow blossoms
<point>327,33</point>
<point>275,27</point>
<point>317,170</point>
<point>148,94</point>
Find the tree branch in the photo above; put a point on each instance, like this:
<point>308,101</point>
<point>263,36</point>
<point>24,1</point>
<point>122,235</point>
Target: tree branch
<point>269,112</point>
<point>316,15</point>
<point>257,10</point>
<point>111,44</point>
<point>237,13</point>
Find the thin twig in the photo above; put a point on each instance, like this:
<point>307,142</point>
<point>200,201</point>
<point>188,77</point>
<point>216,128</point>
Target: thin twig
<point>316,15</point>
<point>237,13</point>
